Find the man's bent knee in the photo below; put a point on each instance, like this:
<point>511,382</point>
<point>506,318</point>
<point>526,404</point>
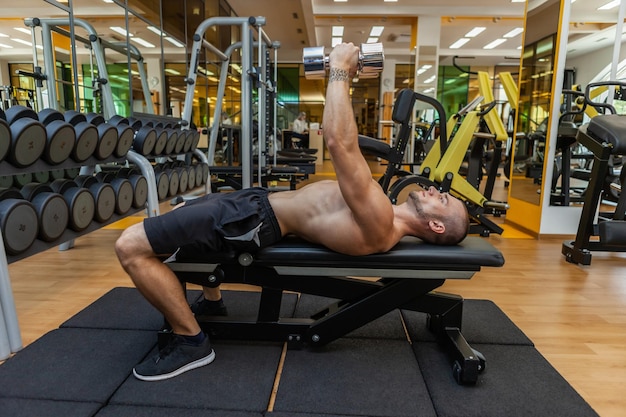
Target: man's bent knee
<point>133,242</point>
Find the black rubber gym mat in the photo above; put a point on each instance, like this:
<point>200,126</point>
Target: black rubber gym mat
<point>241,378</point>
<point>85,365</point>
<point>351,376</point>
<point>517,381</point>
<point>22,407</point>
<point>134,411</point>
<point>483,322</point>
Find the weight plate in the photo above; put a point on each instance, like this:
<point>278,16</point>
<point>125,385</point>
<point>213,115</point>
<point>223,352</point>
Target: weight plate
<point>6,181</point>
<point>191,174</point>
<point>107,141</point>
<point>189,136</point>
<point>140,190</point>
<point>5,139</point>
<point>195,140</point>
<point>174,181</point>
<point>180,141</point>
<point>41,176</point>
<point>161,141</point>
<point>53,215</point>
<point>144,141</point>
<point>61,141</point>
<point>183,180</point>
<point>21,179</point>
<point>29,142</point>
<point>199,174</point>
<point>19,225</point>
<point>49,115</point>
<point>125,141</point>
<point>172,139</point>
<point>86,141</point>
<point>104,196</point>
<point>163,185</point>
<point>123,195</point>
<point>82,207</point>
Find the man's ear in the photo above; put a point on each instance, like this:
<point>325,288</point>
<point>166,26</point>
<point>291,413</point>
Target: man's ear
<point>437,226</point>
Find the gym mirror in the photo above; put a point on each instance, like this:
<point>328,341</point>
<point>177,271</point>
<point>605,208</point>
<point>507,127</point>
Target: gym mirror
<point>533,116</point>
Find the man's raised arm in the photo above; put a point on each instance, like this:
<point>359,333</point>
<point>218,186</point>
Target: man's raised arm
<point>371,208</point>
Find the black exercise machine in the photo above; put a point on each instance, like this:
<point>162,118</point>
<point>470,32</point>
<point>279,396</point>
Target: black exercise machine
<point>604,136</point>
<point>405,278</point>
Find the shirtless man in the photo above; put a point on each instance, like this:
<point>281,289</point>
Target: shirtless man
<point>351,215</point>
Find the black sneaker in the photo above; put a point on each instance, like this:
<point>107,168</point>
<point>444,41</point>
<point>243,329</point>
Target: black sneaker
<point>177,357</point>
<point>204,307</point>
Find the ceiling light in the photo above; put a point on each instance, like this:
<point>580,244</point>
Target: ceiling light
<point>174,42</point>
<point>474,32</point>
<point>372,40</point>
<point>391,1</point>
<point>518,1</point>
<point>338,31</point>
<point>513,33</point>
<point>495,43</point>
<point>23,30</point>
<point>430,79</point>
<point>143,42</point>
<point>156,30</point>
<point>171,71</point>
<point>459,43</point>
<point>21,41</point>
<point>108,1</point>
<point>2,35</point>
<point>336,41</point>
<point>340,1</point>
<point>5,46</point>
<point>610,5</point>
<point>377,31</point>
<point>120,30</point>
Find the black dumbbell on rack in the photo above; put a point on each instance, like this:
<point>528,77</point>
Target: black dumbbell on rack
<point>28,136</point>
<point>80,201</point>
<point>61,136</point>
<point>19,223</point>
<point>86,135</point>
<point>52,210</point>
<point>103,194</point>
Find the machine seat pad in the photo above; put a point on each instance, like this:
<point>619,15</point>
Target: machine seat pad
<point>609,128</point>
<point>374,146</point>
<point>409,254</point>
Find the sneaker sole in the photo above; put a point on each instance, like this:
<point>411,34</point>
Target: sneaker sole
<point>192,365</point>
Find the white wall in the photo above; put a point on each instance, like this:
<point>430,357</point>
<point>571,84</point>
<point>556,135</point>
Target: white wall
<point>589,65</point>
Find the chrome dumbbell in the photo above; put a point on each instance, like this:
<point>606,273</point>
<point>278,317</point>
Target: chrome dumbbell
<point>371,60</point>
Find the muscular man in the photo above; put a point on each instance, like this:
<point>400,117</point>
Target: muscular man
<point>351,215</point>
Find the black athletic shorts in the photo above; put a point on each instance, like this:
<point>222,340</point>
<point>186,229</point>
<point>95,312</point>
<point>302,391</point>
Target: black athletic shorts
<point>219,222</point>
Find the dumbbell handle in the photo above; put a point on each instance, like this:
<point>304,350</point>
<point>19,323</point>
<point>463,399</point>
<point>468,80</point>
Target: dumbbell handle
<point>371,60</point>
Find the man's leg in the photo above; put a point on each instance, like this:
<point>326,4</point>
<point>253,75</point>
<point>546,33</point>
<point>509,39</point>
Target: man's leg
<point>190,348</point>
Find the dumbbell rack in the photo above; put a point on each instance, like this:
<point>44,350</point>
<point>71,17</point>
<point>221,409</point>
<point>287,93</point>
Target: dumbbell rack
<point>10,338</point>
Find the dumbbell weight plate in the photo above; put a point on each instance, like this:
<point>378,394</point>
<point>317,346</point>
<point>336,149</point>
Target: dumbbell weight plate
<point>172,139</point>
<point>180,141</point>
<point>21,179</point>
<point>49,115</point>
<point>74,117</point>
<point>163,185</point>
<point>161,142</point>
<point>123,195</point>
<point>195,141</point>
<point>189,138</point>
<point>41,176</point>
<point>104,195</point>
<point>107,141</point>
<point>19,225</point>
<point>183,179</point>
<point>56,174</point>
<point>61,141</point>
<point>140,190</point>
<point>174,179</point>
<point>125,140</point>
<point>80,201</point>
<point>145,139</point>
<point>95,119</point>
<point>199,174</point>
<point>86,141</point>
<point>5,139</point>
<point>53,213</point>
<point>205,172</point>
<point>315,61</point>
<point>6,181</point>
<point>29,142</point>
<point>191,174</point>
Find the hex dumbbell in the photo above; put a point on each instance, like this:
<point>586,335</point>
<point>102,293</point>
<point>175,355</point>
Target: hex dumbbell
<point>371,61</point>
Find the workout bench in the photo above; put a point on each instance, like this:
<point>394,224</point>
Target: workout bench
<point>405,278</point>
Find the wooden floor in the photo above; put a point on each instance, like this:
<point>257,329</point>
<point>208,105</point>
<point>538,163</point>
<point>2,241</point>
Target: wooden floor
<point>575,315</point>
